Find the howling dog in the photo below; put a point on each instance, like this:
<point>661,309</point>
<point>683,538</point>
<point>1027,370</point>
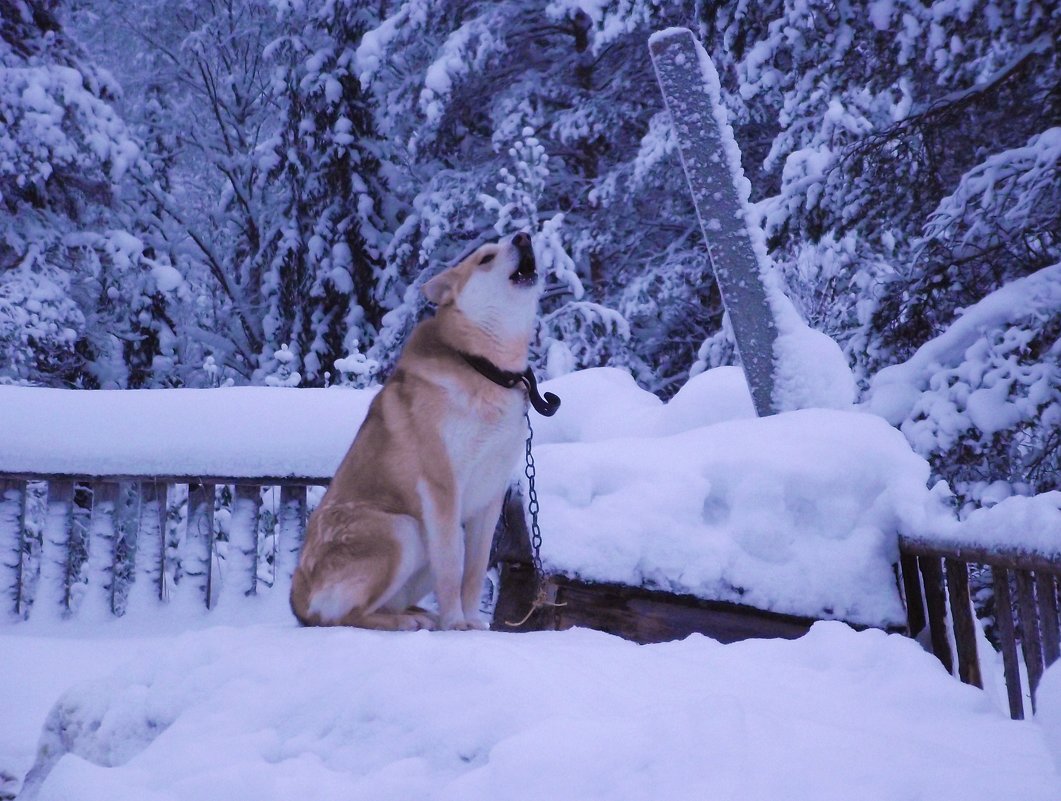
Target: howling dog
<point>413,506</point>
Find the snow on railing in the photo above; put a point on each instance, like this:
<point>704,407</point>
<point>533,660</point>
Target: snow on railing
<point>94,546</point>
<point>935,581</point>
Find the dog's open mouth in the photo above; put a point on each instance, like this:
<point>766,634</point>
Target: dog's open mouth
<point>525,274</point>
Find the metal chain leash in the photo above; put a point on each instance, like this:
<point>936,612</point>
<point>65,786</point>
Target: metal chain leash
<point>532,506</point>
<point>541,595</point>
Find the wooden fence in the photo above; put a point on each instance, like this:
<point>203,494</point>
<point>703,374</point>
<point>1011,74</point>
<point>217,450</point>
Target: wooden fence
<point>935,582</point>
<point>96,545</point>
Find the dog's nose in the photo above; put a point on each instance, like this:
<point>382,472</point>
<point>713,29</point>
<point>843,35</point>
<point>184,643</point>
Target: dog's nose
<point>522,241</point>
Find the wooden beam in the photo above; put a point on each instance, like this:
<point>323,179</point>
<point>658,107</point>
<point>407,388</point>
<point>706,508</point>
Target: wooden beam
<point>1009,558</point>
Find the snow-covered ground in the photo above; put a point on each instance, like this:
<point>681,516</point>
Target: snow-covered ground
<point>269,711</point>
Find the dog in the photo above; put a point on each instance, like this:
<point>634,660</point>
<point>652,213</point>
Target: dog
<point>414,504</point>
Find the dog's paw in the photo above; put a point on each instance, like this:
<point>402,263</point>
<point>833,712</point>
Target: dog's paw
<point>475,623</point>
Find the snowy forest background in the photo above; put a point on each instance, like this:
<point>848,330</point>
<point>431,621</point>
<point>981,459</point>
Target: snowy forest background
<point>205,192</point>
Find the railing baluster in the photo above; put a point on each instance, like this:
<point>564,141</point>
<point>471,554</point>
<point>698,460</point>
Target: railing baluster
<point>1046,594</point>
<point>99,568</point>
<point>243,538</point>
<point>13,546</point>
<point>291,530</point>
<point>915,603</point>
<point>1008,641</point>
<point>53,588</point>
<point>126,533</point>
<point>1031,644</point>
<point>964,623</point>
<point>197,548</point>
<point>936,600</point>
<point>150,551</point>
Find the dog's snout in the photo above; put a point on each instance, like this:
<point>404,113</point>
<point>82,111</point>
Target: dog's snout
<point>522,240</point>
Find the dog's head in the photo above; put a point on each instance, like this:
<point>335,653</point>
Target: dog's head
<point>496,287</point>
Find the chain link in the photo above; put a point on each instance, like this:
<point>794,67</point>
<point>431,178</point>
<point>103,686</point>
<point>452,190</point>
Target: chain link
<point>532,506</point>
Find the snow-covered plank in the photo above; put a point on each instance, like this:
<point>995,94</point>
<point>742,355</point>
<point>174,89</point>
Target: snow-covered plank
<point>126,530</point>
<point>1030,640</point>
<point>243,539</point>
<point>291,528</point>
<point>12,544</point>
<point>936,601</point>
<point>712,166</point>
<point>53,587</point>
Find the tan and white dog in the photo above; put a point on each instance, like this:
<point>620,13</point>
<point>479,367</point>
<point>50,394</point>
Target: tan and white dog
<point>413,506</point>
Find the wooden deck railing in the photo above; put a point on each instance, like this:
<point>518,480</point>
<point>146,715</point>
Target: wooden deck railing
<point>93,545</point>
<point>97,545</point>
<point>935,582</point>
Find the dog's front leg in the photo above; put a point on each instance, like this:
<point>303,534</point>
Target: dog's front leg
<point>479,536</point>
<point>445,552</point>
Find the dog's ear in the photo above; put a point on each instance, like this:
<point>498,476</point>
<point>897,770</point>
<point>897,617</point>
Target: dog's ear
<point>441,289</point>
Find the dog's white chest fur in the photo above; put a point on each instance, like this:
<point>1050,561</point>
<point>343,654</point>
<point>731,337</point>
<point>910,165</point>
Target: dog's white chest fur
<point>483,440</point>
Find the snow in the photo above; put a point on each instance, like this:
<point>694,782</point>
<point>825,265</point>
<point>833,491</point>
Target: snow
<point>895,390</point>
<point>1048,710</point>
<point>811,370</point>
<point>1025,523</point>
<point>797,513</point>
<point>231,431</point>
<point>269,711</point>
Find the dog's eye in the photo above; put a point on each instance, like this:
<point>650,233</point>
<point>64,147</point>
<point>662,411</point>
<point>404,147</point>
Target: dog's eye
<point>489,257</point>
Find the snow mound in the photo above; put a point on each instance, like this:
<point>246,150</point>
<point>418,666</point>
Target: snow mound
<point>796,513</point>
<point>276,713</point>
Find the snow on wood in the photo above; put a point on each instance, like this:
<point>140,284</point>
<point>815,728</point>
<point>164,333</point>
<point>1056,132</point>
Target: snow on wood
<point>243,539</point>
<point>291,527</point>
<point>788,364</point>
<point>12,527</point>
<point>150,551</point>
<point>101,543</point>
<point>711,163</point>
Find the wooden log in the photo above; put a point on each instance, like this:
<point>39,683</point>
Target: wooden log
<point>936,601</point>
<point>101,547</point>
<point>961,610</point>
<point>1031,643</point>
<point>13,546</point>
<point>243,538</point>
<point>915,602</point>
<point>150,553</point>
<point>1046,594</point>
<point>1008,641</point>
<point>291,529</point>
<point>197,548</point>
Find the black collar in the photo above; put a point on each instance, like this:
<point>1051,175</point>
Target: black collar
<point>545,406</point>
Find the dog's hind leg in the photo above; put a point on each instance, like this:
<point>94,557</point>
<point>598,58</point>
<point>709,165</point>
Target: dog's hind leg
<point>355,563</point>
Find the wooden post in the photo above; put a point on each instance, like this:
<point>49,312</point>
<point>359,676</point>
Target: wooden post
<point>712,161</point>
<point>150,553</point>
<point>126,533</point>
<point>197,550</point>
<point>915,602</point>
<point>1030,642</point>
<point>1008,641</point>
<point>290,529</point>
<point>101,546</point>
<point>53,587</point>
<point>936,600</point>
<point>964,623</point>
<point>13,544</point>
<point>243,538</point>
<point>1046,594</point>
